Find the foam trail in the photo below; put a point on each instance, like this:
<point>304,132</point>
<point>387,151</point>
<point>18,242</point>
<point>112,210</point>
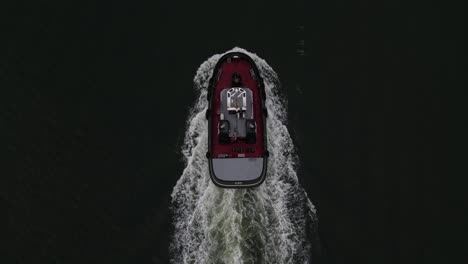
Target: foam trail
<point>267,224</point>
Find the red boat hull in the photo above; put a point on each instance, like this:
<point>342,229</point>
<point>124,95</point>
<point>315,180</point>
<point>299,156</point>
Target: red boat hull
<point>237,162</point>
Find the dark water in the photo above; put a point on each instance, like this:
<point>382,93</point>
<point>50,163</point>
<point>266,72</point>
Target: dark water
<point>94,99</point>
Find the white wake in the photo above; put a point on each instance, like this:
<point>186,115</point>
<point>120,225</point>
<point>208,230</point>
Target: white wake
<point>267,224</point>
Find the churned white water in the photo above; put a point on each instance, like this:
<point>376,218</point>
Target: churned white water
<point>266,224</point>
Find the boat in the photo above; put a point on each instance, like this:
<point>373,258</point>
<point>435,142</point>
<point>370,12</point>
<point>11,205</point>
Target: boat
<point>237,137</point>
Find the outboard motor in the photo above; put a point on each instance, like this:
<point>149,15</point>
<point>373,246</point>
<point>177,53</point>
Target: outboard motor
<point>251,137</point>
<point>223,127</point>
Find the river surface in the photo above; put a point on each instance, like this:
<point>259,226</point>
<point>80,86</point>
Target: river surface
<point>102,135</point>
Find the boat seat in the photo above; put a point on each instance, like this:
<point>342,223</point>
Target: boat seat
<point>251,134</point>
<point>224,127</point>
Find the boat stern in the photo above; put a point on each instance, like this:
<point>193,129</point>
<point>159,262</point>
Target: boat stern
<point>238,172</point>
